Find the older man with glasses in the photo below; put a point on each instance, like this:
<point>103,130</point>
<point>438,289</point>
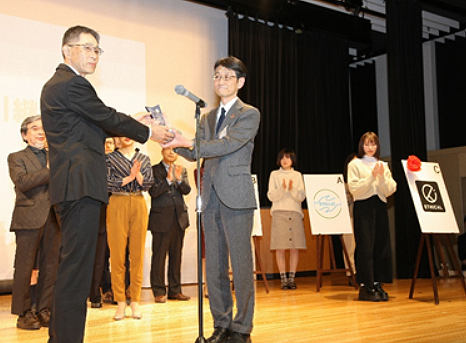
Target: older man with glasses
<point>76,124</point>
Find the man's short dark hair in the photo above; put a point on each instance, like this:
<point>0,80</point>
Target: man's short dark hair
<point>72,34</point>
<point>26,122</point>
<point>233,63</point>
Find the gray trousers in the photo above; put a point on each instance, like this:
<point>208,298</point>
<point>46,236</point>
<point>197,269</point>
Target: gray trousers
<point>228,234</point>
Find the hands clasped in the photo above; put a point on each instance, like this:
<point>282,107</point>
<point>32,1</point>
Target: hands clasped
<point>378,169</point>
<point>178,170</point>
<point>290,185</point>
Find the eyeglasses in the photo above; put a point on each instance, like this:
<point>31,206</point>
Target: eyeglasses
<point>227,78</point>
<point>89,48</point>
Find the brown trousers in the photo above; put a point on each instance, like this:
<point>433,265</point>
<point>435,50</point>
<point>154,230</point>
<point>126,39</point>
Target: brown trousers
<point>126,224</point>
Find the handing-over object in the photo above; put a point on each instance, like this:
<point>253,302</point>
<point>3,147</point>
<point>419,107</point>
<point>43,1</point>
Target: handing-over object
<point>157,115</point>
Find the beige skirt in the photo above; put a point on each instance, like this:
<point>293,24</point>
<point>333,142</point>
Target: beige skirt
<point>287,231</point>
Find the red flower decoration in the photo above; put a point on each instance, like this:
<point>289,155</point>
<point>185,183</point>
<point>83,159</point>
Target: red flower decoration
<point>414,163</point>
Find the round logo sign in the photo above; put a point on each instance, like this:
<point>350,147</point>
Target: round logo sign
<point>327,203</point>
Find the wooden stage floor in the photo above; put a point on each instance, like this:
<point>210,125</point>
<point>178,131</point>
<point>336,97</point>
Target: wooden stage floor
<point>301,316</point>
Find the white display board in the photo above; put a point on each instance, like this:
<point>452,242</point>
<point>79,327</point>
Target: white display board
<point>430,198</point>
<point>327,205</point>
<point>30,62</point>
<point>257,225</point>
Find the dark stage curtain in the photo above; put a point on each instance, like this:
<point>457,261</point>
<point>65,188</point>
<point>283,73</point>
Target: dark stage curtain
<point>407,122</point>
<point>451,88</point>
<point>363,101</point>
<point>299,82</point>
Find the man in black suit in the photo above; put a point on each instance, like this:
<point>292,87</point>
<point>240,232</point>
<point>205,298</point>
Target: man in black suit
<point>168,221</point>
<point>76,124</point>
<point>35,227</point>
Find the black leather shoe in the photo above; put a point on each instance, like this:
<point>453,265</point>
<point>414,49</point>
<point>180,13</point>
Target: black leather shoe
<point>28,321</point>
<point>220,335</point>
<point>381,291</point>
<point>369,293</point>
<point>284,285</point>
<point>97,304</point>
<point>238,337</point>
<point>291,285</point>
<point>44,318</point>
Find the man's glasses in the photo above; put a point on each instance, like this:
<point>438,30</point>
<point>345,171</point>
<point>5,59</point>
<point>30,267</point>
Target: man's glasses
<point>227,78</point>
<point>89,48</point>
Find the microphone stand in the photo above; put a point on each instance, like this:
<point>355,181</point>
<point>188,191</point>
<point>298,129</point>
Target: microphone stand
<point>197,146</point>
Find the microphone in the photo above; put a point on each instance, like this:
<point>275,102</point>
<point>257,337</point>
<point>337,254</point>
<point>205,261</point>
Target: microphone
<point>179,89</point>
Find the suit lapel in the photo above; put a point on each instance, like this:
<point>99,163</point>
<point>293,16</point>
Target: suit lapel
<point>33,158</point>
<point>230,116</point>
<point>161,170</point>
<point>212,120</point>
<point>234,112</point>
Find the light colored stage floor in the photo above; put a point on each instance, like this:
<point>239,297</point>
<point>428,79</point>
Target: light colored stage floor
<point>300,316</point>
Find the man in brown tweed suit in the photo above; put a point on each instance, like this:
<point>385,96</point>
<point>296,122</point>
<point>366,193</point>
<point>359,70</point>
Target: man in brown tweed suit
<point>35,226</point>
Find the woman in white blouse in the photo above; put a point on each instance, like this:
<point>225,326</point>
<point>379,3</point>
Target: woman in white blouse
<point>286,192</point>
<point>370,181</point>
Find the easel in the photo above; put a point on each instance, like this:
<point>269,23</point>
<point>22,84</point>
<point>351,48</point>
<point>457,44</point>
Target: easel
<point>320,242</point>
<point>257,252</point>
<point>425,237</point>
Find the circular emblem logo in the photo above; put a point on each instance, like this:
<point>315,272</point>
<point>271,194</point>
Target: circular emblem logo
<point>327,203</point>
<point>429,193</point>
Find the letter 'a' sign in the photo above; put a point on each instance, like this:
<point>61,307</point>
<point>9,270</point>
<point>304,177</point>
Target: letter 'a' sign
<point>327,204</point>
<point>430,198</point>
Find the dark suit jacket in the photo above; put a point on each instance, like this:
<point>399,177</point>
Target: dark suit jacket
<point>31,180</point>
<point>167,201</point>
<point>228,156</point>
<point>76,123</point>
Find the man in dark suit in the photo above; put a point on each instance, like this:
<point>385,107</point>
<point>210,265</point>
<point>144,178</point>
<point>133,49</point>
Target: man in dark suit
<point>168,221</point>
<point>35,226</point>
<point>76,124</point>
<point>228,201</point>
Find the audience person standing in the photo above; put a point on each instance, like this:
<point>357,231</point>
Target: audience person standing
<point>370,181</point>
<point>129,174</point>
<point>168,220</point>
<point>286,192</point>
<point>35,226</point>
<point>228,201</point>
<point>76,123</point>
